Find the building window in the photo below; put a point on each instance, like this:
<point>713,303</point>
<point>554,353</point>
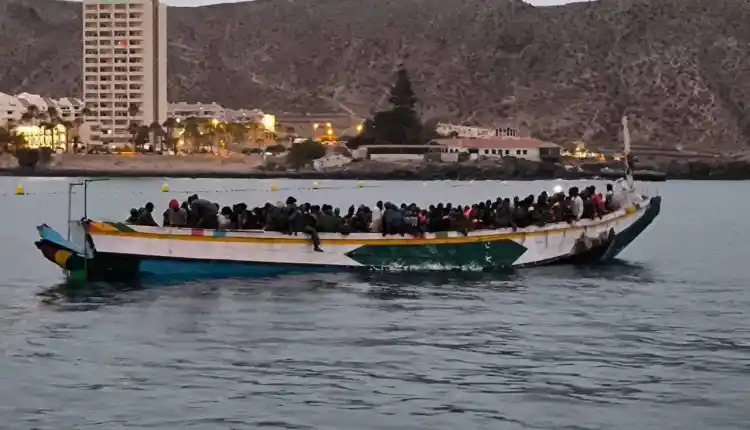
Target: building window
<point>507,152</point>
<point>486,151</point>
<point>524,152</point>
<point>518,152</point>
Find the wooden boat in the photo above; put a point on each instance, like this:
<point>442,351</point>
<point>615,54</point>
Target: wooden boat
<point>113,250</point>
<point>97,250</point>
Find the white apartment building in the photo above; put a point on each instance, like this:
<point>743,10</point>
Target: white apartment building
<point>124,65</point>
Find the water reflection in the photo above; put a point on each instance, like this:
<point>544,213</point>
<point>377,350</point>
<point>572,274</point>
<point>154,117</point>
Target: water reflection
<point>380,285</point>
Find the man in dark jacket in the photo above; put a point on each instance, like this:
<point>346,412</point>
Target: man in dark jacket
<point>145,217</point>
<point>205,212</point>
<point>302,222</point>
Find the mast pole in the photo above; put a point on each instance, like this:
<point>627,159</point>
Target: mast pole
<point>626,142</point>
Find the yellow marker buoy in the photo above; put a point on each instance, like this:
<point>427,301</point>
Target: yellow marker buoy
<point>20,191</point>
<point>274,187</point>
<point>315,185</point>
<point>165,188</point>
<point>360,184</point>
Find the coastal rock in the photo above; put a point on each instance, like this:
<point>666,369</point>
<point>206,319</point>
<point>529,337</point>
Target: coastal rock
<point>677,67</point>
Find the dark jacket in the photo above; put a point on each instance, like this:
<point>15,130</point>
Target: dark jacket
<point>145,218</point>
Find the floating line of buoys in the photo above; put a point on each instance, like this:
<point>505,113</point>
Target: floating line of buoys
<point>165,188</point>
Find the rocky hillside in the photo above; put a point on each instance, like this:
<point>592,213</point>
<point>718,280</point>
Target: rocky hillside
<point>681,68</point>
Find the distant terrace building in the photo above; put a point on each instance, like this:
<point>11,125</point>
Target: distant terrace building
<point>11,109</point>
<point>445,129</point>
<point>124,65</point>
<point>526,148</point>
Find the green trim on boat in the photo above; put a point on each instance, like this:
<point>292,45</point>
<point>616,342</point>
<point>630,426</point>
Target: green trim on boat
<point>77,276</point>
<point>122,227</point>
<point>495,254</point>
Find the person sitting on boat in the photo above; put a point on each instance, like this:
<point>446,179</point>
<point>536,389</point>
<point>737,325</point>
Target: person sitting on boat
<point>224,218</point>
<point>393,220</point>
<point>175,216</point>
<point>576,203</point>
<point>300,221</point>
<point>205,212</point>
<point>145,216</point>
<point>133,218</point>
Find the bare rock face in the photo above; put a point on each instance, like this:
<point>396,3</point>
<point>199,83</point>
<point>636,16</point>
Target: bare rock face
<point>679,68</point>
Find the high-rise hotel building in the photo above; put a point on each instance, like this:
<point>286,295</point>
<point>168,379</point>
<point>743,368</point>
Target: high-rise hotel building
<point>124,65</point>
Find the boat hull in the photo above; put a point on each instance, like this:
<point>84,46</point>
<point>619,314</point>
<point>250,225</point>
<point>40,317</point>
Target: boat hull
<point>124,251</point>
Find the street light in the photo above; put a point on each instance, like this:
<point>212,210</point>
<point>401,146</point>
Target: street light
<point>214,122</point>
<point>359,128</point>
<point>315,126</point>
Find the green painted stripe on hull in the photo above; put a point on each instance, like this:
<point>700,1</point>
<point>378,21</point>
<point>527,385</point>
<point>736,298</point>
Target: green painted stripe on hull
<point>122,227</point>
<point>625,237</point>
<point>496,254</point>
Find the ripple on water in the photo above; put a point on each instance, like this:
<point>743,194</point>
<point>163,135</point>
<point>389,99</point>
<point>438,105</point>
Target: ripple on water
<point>658,340</point>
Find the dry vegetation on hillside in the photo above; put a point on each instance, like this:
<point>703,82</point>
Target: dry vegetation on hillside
<point>680,67</point>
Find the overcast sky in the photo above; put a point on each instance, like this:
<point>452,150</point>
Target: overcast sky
<point>202,2</point>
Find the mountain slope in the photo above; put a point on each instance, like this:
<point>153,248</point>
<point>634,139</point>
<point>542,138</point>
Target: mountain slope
<point>679,67</point>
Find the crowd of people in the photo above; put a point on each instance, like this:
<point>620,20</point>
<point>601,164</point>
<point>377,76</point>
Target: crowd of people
<point>387,218</point>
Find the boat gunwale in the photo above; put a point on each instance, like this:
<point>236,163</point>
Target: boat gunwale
<point>104,228</point>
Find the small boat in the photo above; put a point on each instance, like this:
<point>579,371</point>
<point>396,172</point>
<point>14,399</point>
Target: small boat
<point>99,250</point>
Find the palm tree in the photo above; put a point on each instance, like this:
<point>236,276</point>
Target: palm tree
<point>53,120</point>
<point>133,130</point>
<point>33,110</point>
<point>141,136</point>
<point>157,133</point>
<point>133,110</point>
<point>192,131</point>
<point>169,126</point>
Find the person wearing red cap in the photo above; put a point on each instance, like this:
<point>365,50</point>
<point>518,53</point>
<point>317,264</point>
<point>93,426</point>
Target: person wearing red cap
<point>175,216</point>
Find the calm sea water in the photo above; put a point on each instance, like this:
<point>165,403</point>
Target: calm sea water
<point>660,340</point>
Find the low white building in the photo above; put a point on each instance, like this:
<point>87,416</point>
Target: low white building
<point>13,107</point>
<point>464,131</point>
<point>182,111</point>
<point>499,147</point>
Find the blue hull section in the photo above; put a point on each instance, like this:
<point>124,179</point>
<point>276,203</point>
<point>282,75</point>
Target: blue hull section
<point>188,269</point>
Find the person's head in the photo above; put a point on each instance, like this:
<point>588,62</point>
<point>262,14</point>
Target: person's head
<point>174,205</point>
<point>149,207</point>
<point>134,213</point>
<point>379,204</point>
<point>192,198</point>
<point>291,201</point>
<point>337,211</point>
<point>610,187</point>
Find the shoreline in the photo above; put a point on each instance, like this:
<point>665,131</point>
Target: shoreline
<point>398,175</point>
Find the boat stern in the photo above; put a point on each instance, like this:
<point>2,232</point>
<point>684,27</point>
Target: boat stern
<point>60,251</point>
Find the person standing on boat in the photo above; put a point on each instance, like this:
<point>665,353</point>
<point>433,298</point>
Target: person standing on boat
<point>204,211</point>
